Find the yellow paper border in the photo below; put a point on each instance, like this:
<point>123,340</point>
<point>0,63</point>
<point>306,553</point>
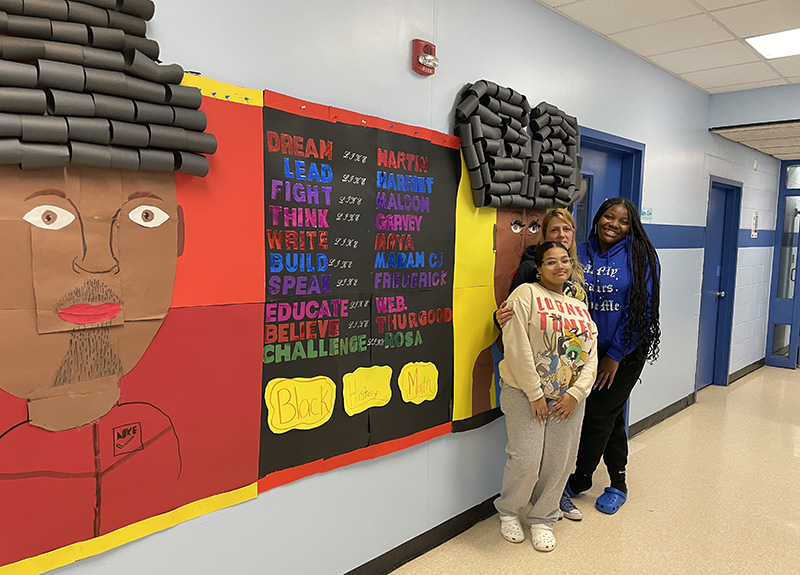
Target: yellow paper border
<point>77,551</point>
<point>223,91</point>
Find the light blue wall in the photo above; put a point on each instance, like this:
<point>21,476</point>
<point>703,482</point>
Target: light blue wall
<point>355,54</point>
<point>755,106</point>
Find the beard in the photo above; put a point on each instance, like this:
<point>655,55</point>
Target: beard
<point>91,355</point>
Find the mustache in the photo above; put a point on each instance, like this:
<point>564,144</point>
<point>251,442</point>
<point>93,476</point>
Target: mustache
<point>92,291</point>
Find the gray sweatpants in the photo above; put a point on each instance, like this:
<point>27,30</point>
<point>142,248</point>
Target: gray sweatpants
<point>540,458</point>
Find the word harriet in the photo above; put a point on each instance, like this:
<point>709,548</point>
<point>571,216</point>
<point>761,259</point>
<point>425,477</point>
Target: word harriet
<point>401,183</point>
<point>295,146</point>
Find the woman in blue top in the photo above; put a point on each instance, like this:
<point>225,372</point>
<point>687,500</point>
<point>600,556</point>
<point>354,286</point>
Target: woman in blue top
<point>621,270</point>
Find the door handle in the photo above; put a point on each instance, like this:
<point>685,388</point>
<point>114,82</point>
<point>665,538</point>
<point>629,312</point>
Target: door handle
<point>721,293</point>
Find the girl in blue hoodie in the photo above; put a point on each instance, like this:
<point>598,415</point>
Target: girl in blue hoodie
<point>621,270</point>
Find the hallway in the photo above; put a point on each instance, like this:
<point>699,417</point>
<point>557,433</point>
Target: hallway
<point>713,490</point>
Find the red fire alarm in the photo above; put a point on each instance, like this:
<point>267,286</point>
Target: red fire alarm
<point>423,58</point>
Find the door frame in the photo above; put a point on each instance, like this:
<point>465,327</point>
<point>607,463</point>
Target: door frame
<point>727,283</point>
<point>632,160</point>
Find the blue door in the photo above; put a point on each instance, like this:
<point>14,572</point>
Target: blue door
<point>716,301</point>
<point>782,333</point>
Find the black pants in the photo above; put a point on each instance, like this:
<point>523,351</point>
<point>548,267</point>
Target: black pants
<point>603,433</point>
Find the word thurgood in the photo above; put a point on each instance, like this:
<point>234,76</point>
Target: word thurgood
<point>297,262</point>
<point>407,203</point>
<point>412,319</point>
<point>300,192</point>
<point>294,146</point>
<point>398,222</point>
<point>401,183</point>
<point>394,242</point>
<point>402,160</point>
<point>367,387</point>
<point>300,285</point>
<point>301,403</point>
<point>402,339</point>
<point>314,348</point>
<point>299,217</point>
<point>297,331</point>
<point>310,172</point>
<point>394,280</point>
<point>418,382</point>
<point>312,309</point>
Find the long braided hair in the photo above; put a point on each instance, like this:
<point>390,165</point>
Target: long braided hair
<point>644,322</point>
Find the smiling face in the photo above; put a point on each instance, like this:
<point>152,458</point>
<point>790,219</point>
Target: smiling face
<point>88,260</point>
<point>561,231</point>
<point>612,227</point>
<point>555,268</point>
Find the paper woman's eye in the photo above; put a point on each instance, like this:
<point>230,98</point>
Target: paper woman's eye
<point>49,217</point>
<point>517,226</point>
<point>148,216</point>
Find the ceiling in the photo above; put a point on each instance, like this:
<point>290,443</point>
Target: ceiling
<point>700,41</point>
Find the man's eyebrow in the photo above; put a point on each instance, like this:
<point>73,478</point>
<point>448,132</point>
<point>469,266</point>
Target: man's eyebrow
<point>138,195</point>
<point>48,192</point>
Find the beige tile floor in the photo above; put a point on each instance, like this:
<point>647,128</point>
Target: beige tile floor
<point>714,489</point>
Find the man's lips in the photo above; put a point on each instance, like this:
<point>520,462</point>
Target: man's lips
<point>83,313</point>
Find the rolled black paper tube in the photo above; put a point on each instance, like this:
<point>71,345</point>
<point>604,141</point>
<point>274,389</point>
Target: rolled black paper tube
<point>533,170</point>
<point>16,75</point>
<point>515,98</point>
<point>492,201</point>
<point>572,151</point>
<point>61,103</point>
<point>190,119</point>
<point>105,59</point>
<point>542,202</point>
<point>561,181</point>
<point>491,88</point>
<point>491,132</point>
<point>201,142</point>
<point>546,191</point>
<point>488,117</point>
<point>562,170</point>
<point>465,134</point>
<point>124,158</point>
<point>21,49</point>
<point>11,6</point>
<point>550,179</point>
<point>60,75</point>
<point>35,156</point>
<point>559,146</point>
<point>146,46</point>
<point>536,150</point>
<point>191,164</point>
<point>185,96</point>
<point>567,161</point>
<point>570,130</point>
<point>70,33</point>
<point>524,189</point>
<point>492,147</point>
<point>3,23</point>
<point>476,127</point>
<point>167,137</point>
<point>521,202</point>
<point>132,135</point>
<point>579,164</point>
<point>467,106</point>
<point>558,132</point>
<point>86,14</point>
<point>91,155</point>
<point>106,82</point>
<point>513,150</point>
<point>479,153</point>
<point>539,122</point>
<point>560,203</point>
<point>10,126</point>
<point>156,161</point>
<point>505,200</point>
<point>506,163</point>
<point>563,193</point>
<point>515,187</point>
<point>127,23</point>
<point>22,101</point>
<point>498,188</point>
<point>93,130</point>
<point>146,91</point>
<point>114,108</point>
<point>112,4</point>
<point>506,175</point>
<point>106,38</point>
<point>470,158</point>
<point>141,66</point>
<point>533,186</point>
<point>46,9</point>
<point>545,108</point>
<point>543,133</point>
<point>27,27</point>
<point>60,52</point>
<point>548,158</point>
<point>503,93</point>
<point>144,9</point>
<point>490,102</point>
<point>510,134</point>
<point>475,180</point>
<point>10,151</point>
<point>511,110</point>
<point>478,88</point>
<point>486,174</point>
<point>147,113</point>
<point>515,124</point>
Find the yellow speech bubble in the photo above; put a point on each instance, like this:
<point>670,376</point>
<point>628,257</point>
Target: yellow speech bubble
<point>367,387</point>
<point>418,382</point>
<point>299,403</point>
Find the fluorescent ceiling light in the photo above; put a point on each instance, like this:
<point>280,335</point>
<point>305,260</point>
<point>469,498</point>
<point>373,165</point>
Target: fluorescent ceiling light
<point>777,45</point>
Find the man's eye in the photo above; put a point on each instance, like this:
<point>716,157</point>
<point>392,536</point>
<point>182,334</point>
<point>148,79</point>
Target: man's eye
<point>49,217</point>
<point>516,226</point>
<point>148,216</point>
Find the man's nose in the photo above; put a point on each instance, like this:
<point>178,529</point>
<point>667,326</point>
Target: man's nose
<point>98,248</point>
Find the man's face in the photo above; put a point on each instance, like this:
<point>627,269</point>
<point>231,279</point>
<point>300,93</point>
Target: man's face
<point>88,259</point>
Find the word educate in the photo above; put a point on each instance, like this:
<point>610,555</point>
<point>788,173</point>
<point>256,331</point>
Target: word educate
<point>314,348</point>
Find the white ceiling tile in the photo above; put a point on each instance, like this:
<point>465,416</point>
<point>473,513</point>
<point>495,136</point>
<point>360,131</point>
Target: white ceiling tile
<point>688,32</point>
<point>745,86</point>
<point>555,3</point>
<point>795,79</point>
<point>610,16</point>
<point>717,4</point>
<point>761,18</point>
<point>753,72</point>
<point>706,57</point>
<point>789,66</point>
